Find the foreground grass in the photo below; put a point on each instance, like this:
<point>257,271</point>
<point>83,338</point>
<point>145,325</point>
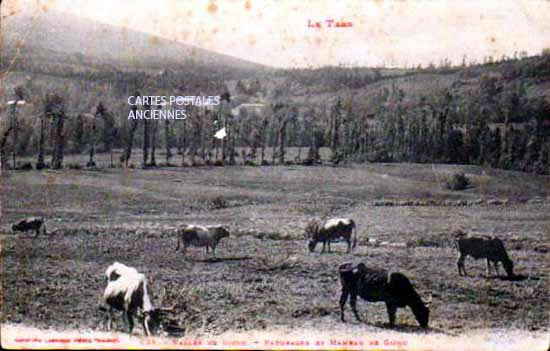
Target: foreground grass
<point>97,217</point>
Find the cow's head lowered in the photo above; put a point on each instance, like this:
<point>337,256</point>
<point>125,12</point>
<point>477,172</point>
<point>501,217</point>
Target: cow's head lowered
<point>127,291</point>
<point>508,267</point>
<point>312,231</point>
<point>422,311</point>
<point>152,320</point>
<point>221,231</point>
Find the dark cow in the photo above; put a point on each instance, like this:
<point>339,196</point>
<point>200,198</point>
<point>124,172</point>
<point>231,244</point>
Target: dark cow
<point>490,248</point>
<point>377,285</point>
<point>329,230</point>
<point>31,223</point>
<point>197,235</point>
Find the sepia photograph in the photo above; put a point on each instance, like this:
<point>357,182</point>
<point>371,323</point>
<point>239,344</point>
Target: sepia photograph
<point>275,174</point>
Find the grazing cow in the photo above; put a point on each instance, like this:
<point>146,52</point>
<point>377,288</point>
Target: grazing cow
<point>30,223</point>
<point>331,229</point>
<point>126,291</point>
<point>197,235</point>
<point>377,285</point>
<point>492,249</point>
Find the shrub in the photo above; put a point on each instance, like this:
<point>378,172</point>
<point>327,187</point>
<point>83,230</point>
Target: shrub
<point>379,156</point>
<point>458,181</point>
<point>217,203</point>
<point>25,166</point>
<point>74,166</point>
<point>336,157</point>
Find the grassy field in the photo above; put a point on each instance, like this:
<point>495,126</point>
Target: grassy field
<point>263,276</point>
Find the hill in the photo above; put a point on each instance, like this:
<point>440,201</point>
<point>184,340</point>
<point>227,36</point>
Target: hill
<point>58,38</point>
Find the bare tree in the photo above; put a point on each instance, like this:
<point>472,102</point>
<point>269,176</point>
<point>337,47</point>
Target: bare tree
<point>263,138</point>
<point>54,108</point>
<point>11,128</point>
<point>93,141</point>
<point>40,161</point>
<point>3,140</point>
<point>131,133</point>
<point>335,117</point>
<point>109,130</point>
<point>167,140</point>
<point>287,115</point>
<point>154,133</point>
<point>274,139</point>
<point>19,96</point>
<point>182,141</point>
<point>225,112</point>
<point>146,138</point>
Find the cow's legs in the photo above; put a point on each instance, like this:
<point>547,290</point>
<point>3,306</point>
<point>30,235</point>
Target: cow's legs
<point>37,232</point>
<point>495,263</point>
<point>328,243</point>
<point>146,325</point>
<point>323,249</point>
<point>343,300</point>
<point>488,268</point>
<point>214,250</point>
<point>125,319</point>
<point>391,312</point>
<point>110,319</point>
<point>130,320</point>
<point>460,264</point>
<point>349,244</point>
<point>178,245</point>
<point>353,304</point>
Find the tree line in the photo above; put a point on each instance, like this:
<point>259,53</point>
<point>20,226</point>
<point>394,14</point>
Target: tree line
<point>495,124</point>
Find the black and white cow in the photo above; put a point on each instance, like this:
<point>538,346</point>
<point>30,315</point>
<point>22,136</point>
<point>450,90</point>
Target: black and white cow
<point>490,248</point>
<point>378,285</point>
<point>30,223</point>
<point>126,291</point>
<point>198,235</point>
<point>331,229</point>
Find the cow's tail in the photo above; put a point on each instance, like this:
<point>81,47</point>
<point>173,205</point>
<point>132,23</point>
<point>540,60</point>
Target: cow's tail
<point>354,234</point>
<point>178,240</point>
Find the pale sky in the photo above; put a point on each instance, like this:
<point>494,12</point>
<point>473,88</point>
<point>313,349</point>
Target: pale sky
<point>276,32</point>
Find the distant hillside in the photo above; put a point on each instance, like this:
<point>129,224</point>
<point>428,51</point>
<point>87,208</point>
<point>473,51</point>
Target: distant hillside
<point>67,39</point>
<point>318,87</point>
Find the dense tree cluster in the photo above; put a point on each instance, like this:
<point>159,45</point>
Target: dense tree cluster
<point>493,122</point>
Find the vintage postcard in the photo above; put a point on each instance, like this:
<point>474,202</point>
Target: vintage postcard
<point>275,174</point>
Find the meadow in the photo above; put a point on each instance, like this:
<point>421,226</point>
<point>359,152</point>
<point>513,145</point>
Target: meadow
<point>263,276</point>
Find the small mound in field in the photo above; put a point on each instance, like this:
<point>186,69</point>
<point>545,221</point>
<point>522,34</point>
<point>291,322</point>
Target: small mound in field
<point>458,181</point>
<point>273,264</point>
